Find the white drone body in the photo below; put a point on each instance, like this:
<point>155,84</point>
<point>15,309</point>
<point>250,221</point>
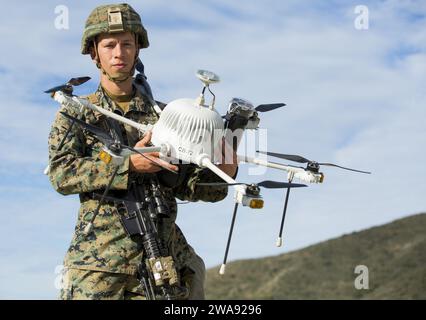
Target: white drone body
<point>191,130</point>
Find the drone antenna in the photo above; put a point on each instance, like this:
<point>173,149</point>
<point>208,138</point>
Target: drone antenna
<point>214,98</point>
<point>206,77</point>
<point>89,226</point>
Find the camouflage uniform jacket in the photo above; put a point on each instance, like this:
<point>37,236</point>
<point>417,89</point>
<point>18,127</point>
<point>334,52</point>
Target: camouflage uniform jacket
<point>77,169</point>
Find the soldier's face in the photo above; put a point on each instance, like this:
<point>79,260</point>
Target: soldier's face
<point>117,52</point>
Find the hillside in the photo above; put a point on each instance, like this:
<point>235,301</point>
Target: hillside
<point>395,255</point>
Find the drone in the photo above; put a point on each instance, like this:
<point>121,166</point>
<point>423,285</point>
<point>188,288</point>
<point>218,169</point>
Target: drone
<point>190,130</point>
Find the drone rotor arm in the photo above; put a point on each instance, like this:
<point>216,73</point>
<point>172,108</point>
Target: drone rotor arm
<point>99,133</point>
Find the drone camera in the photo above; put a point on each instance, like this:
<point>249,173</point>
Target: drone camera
<point>256,203</point>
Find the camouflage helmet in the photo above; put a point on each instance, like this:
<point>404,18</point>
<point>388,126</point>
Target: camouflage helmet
<point>113,18</point>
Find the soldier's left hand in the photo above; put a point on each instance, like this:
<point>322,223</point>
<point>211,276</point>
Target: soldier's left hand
<point>142,164</point>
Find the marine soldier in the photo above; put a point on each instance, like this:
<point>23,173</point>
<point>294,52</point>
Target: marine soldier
<point>104,263</point>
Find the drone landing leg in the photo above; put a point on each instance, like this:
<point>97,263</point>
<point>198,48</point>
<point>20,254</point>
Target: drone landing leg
<point>280,239</point>
<point>89,226</point>
<point>222,268</point>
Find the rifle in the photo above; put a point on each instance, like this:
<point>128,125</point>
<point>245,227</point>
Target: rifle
<point>139,209</point>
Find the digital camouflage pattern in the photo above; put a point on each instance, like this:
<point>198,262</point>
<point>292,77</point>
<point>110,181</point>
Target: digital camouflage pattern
<point>77,169</point>
<point>122,18</point>
<point>94,285</point>
<point>78,284</point>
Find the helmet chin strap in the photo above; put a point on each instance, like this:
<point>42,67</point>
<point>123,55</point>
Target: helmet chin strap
<point>123,76</point>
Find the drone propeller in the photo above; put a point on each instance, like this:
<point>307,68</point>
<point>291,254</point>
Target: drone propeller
<point>62,87</point>
<point>301,159</point>
<point>78,81</point>
<point>99,133</point>
<point>266,184</point>
<point>269,107</point>
<point>260,108</point>
<point>106,138</point>
<point>67,87</point>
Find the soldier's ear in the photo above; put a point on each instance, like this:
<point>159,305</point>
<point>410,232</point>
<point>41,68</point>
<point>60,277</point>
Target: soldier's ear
<point>93,49</point>
<point>94,56</point>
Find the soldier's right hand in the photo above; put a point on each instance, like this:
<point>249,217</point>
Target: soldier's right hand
<point>138,163</point>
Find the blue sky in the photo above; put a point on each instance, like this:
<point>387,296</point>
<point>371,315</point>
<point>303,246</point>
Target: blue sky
<point>354,97</point>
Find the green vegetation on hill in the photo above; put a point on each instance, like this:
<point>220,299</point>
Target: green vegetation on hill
<point>395,255</point>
